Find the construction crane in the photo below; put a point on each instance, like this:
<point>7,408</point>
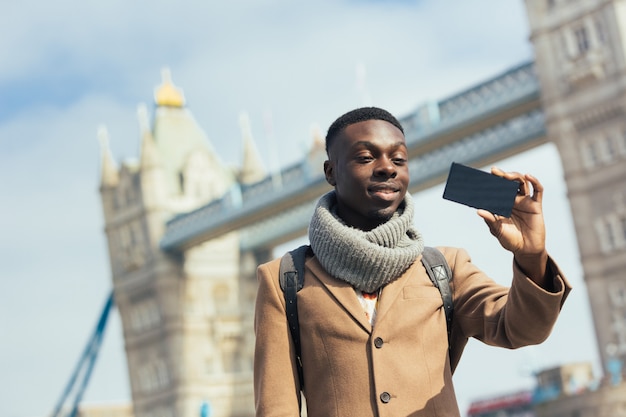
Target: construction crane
<point>80,377</point>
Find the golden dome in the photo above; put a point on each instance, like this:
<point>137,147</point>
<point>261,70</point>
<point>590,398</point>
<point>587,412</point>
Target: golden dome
<point>167,94</point>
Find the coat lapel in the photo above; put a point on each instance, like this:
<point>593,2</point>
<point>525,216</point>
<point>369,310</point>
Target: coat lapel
<point>392,291</point>
<point>342,292</point>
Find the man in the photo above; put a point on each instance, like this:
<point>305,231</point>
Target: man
<point>373,333</point>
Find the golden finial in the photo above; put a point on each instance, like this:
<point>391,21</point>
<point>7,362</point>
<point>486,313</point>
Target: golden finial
<point>167,94</point>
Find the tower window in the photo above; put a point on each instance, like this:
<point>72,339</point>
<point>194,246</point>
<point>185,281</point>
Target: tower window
<point>606,235</point>
<point>608,149</point>
<point>162,373</point>
<point>601,31</point>
<point>618,296</point>
<point>582,40</point>
<point>181,182</point>
<point>610,235</point>
<point>590,159</point>
<point>622,142</point>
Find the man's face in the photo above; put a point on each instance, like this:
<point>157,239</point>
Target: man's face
<point>368,167</point>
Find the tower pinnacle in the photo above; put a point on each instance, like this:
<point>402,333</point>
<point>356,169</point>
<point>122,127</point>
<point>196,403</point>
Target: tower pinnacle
<point>252,168</point>
<point>108,171</point>
<point>149,154</point>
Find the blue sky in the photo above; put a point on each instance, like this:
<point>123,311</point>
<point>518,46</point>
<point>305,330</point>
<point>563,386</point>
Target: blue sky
<point>68,67</point>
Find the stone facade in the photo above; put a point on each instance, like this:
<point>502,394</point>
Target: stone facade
<point>580,56</point>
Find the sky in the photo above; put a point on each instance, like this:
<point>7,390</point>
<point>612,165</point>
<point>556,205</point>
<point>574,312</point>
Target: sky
<point>69,67</point>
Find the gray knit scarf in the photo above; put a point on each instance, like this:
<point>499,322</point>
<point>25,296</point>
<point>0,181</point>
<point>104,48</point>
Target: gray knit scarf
<point>366,260</point>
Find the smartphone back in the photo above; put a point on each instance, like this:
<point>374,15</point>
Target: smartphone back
<point>481,190</point>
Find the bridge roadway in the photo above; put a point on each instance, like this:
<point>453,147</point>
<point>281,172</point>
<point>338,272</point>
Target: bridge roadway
<point>483,124</point>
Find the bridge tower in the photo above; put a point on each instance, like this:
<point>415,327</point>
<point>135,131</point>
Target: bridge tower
<point>580,55</point>
<point>184,327</point>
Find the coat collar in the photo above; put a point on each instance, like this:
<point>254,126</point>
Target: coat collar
<point>346,296</point>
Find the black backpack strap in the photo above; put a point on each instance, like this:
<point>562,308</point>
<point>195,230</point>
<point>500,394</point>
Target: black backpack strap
<point>441,275</point>
<point>291,277</point>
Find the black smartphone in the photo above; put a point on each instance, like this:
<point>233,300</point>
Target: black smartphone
<point>482,190</point>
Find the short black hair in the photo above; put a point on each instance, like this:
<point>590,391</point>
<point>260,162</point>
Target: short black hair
<point>359,115</point>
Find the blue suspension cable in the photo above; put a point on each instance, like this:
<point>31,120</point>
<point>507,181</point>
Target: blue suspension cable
<point>85,363</point>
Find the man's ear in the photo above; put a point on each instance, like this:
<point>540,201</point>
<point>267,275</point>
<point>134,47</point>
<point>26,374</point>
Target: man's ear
<point>329,172</point>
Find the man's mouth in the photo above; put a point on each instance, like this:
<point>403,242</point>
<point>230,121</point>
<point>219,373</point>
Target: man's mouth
<point>386,193</point>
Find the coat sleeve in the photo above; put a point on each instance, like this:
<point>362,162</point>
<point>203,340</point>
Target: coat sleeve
<point>276,385</point>
<point>511,317</point>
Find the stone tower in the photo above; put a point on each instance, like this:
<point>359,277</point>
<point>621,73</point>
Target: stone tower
<point>184,327</point>
<point>580,55</point>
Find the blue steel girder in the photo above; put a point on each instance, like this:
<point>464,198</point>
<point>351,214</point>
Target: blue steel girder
<point>485,123</point>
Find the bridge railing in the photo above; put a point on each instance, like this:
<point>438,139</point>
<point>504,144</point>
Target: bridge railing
<point>495,140</point>
<point>431,119</point>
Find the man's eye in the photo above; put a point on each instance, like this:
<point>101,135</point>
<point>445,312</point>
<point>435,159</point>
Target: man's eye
<point>399,161</point>
<point>364,158</point>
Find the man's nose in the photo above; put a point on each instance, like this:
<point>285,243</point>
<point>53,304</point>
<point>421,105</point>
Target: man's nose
<point>386,168</point>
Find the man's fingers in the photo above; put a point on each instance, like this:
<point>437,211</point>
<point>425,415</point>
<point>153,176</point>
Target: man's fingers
<point>486,214</point>
<point>513,176</point>
<point>529,185</point>
<point>492,221</point>
<point>537,188</point>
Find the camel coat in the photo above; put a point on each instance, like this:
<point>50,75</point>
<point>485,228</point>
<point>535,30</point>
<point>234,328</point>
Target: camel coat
<point>401,366</point>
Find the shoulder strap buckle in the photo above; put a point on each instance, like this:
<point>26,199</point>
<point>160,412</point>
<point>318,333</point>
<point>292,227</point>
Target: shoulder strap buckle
<point>440,274</point>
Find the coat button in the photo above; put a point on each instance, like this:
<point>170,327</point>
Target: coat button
<point>378,342</point>
<point>385,397</point>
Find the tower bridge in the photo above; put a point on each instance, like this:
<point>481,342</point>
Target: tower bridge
<point>185,232</point>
